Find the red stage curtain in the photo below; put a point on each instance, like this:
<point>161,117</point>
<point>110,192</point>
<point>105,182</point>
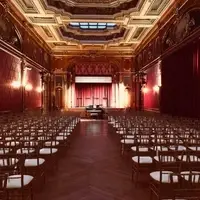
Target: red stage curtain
<point>95,93</point>
<point>180,92</point>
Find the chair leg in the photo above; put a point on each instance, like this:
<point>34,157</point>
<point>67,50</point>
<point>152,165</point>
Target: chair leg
<point>122,149</point>
<point>136,178</point>
<point>151,194</point>
<point>133,173</point>
<point>22,194</point>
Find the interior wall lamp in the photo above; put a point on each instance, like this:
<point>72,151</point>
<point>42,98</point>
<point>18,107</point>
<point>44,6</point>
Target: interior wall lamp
<point>28,68</point>
<point>16,84</point>
<point>145,90</point>
<point>39,89</point>
<point>156,88</point>
<point>28,87</point>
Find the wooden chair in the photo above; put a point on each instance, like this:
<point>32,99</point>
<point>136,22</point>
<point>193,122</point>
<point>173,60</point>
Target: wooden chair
<point>142,160</point>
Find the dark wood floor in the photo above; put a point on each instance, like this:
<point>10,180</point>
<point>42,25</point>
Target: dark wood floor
<point>93,169</point>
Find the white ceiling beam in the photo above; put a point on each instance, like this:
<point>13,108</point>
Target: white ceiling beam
<point>126,20</point>
<point>140,25</point>
<point>53,41</point>
<point>38,15</point>
<point>39,7</point>
<point>145,17</point>
<point>145,7</point>
<point>59,20</point>
<point>44,24</point>
<point>54,33</point>
<point>130,34</point>
<point>18,6</point>
<point>93,20</point>
<point>133,42</point>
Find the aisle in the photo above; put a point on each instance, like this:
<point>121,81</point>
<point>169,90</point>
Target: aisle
<point>92,169</point>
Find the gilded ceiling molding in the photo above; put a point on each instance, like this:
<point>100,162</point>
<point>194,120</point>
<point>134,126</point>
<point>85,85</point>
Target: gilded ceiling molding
<point>78,31</point>
<point>102,37</point>
<point>46,20</point>
<point>76,10</point>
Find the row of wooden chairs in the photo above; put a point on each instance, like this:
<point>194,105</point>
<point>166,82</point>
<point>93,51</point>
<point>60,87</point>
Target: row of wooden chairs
<point>166,149</point>
<point>30,148</point>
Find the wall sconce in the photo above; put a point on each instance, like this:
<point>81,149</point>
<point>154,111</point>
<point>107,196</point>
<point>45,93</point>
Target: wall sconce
<point>156,88</point>
<point>28,87</point>
<point>39,89</point>
<point>28,68</point>
<point>16,84</point>
<point>145,90</point>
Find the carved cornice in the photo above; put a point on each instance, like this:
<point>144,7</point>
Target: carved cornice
<point>183,27</point>
<point>153,33</point>
<point>8,31</point>
<point>116,54</point>
<point>16,53</point>
<point>10,50</point>
<point>191,38</point>
<point>75,10</point>
<point>28,28</point>
<point>111,36</point>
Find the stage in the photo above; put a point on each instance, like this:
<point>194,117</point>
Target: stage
<point>81,109</point>
<point>92,120</point>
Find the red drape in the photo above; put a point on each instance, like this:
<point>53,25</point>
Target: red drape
<point>180,92</point>
<point>151,98</point>
<point>93,94</point>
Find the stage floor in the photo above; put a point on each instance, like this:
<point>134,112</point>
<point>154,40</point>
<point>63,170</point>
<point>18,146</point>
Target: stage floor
<point>90,120</point>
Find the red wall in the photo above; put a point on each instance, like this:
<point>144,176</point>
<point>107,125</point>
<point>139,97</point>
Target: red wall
<point>33,97</point>
<point>10,99</point>
<point>151,98</point>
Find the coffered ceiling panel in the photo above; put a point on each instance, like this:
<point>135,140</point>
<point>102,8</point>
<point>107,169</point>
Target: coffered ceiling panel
<point>82,25</point>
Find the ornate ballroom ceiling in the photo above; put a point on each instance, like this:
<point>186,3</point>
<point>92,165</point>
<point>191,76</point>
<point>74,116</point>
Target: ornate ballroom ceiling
<point>72,26</point>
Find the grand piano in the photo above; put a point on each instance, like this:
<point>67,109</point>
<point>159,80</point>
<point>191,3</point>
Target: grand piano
<point>94,112</point>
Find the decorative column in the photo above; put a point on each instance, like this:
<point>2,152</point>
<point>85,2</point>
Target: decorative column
<point>141,97</point>
<point>51,92</point>
<point>42,91</point>
<point>71,90</point>
<point>65,93</point>
<point>23,67</point>
<point>140,81</point>
<point>45,84</point>
<point>47,94</point>
<point>136,81</point>
<point>114,105</point>
<point>60,90</point>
